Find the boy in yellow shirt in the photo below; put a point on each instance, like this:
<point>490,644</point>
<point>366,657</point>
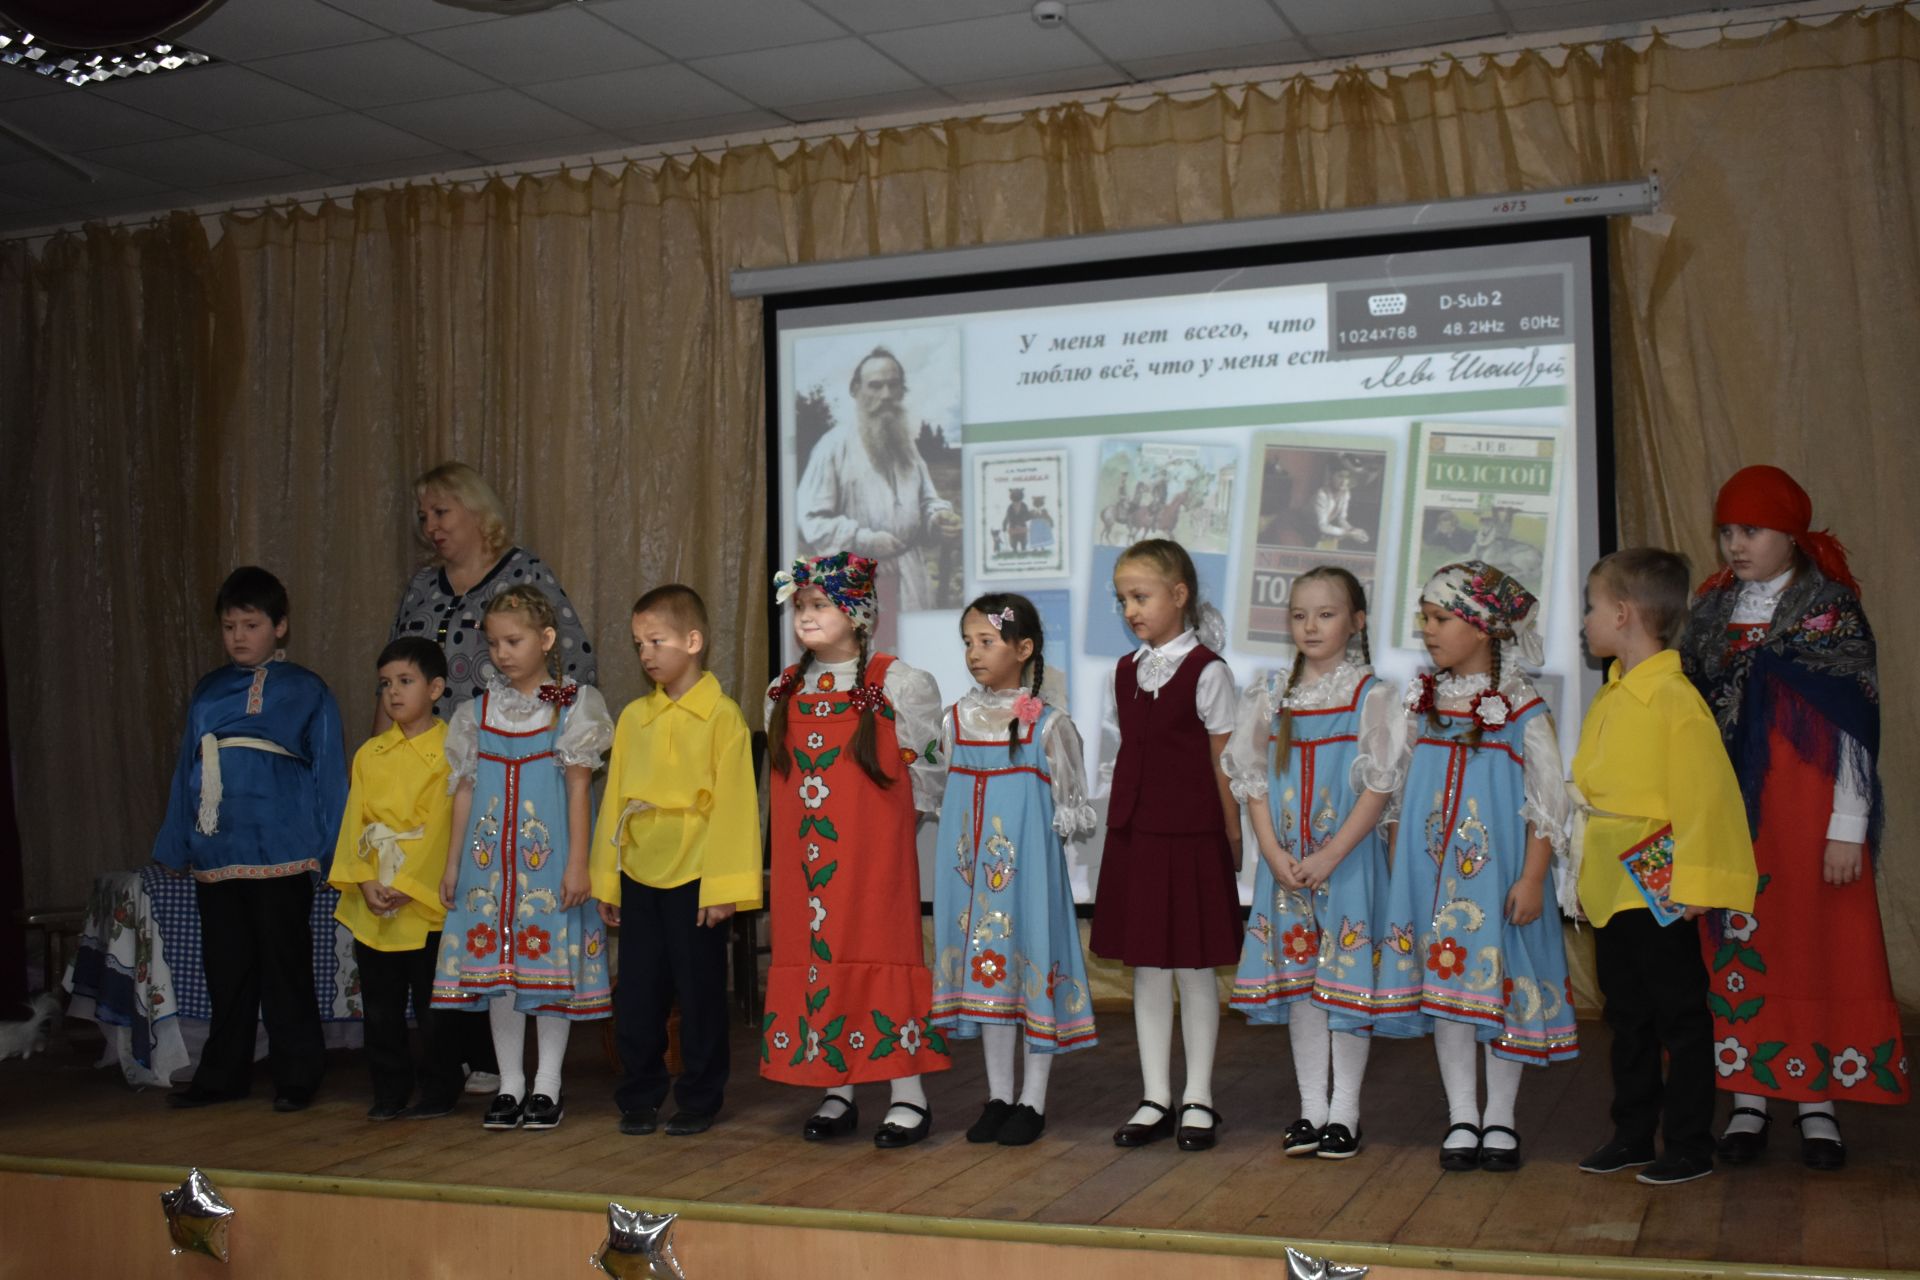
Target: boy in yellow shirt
<point>676,853</point>
<point>1665,838</point>
<point>387,866</point>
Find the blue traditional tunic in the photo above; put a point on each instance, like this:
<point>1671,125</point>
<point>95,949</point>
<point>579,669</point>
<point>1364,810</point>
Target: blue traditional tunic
<point>1321,945</point>
<point>507,932</point>
<point>1006,942</point>
<point>262,777</point>
<point>1448,950</point>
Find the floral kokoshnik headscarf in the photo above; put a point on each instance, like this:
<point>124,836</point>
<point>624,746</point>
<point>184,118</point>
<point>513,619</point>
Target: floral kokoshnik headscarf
<point>847,580</point>
<point>1493,602</point>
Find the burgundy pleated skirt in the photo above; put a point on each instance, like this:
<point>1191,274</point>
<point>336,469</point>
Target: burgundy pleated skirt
<point>1168,901</point>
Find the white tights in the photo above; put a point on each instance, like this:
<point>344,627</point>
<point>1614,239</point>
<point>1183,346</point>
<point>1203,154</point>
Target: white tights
<point>999,1044</point>
<point>1453,1045</point>
<point>509,1027</point>
<point>1816,1118</point>
<point>1314,1045</point>
<point>905,1089</point>
<point>1199,1034</point>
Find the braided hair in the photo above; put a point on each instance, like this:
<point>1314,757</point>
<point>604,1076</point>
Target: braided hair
<point>779,754</point>
<point>866,734</point>
<point>533,606</point>
<point>1357,602</point>
<point>1023,624</point>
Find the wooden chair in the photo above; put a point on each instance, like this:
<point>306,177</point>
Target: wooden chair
<point>59,930</point>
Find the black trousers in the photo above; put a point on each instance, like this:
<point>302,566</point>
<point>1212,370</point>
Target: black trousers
<point>387,978</point>
<point>1655,984</point>
<point>257,947</point>
<point>664,955</point>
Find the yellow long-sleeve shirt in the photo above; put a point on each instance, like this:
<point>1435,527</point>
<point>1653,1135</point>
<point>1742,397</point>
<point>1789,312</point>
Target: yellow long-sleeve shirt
<point>680,802</point>
<point>398,783</point>
<point>1650,756</point>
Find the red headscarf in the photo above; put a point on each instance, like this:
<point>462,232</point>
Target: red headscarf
<point>1769,498</point>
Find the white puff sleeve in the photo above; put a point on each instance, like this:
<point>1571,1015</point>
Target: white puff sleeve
<point>1547,809</point>
<point>1381,763</point>
<point>1246,758</point>
<point>1073,815</point>
<point>915,697</point>
<point>463,744</point>
<point>1215,699</point>
<point>588,732</point>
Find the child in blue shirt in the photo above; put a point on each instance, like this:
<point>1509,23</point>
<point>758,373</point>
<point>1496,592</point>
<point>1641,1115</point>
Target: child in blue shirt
<point>253,814</point>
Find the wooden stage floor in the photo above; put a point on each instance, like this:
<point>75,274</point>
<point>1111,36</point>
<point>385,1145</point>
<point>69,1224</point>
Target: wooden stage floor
<point>1864,1218</point>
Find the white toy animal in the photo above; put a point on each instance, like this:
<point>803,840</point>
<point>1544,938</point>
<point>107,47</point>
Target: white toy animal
<point>20,1039</point>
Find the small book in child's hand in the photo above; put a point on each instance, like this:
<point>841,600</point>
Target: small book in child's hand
<point>1649,865</point>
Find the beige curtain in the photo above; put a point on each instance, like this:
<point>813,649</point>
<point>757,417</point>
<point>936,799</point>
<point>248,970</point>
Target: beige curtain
<point>174,407</point>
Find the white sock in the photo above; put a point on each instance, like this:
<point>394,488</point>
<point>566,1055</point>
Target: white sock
<point>1307,1031</point>
<point>551,1035</point>
<point>1033,1089</point>
<point>509,1027</point>
<point>1199,1034</point>
<point>1455,1047</point>
<point>1747,1124</point>
<point>1153,1027</point>
<point>1503,1092</point>
<point>998,1044</point>
<point>1349,1070</point>
<point>906,1089</point>
<point>840,1093</point>
<point>1817,1120</point>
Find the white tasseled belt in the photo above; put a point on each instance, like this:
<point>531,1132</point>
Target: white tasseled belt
<point>210,791</point>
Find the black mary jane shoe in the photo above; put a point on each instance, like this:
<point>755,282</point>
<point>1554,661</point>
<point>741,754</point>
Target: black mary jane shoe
<point>543,1112</point>
<point>1139,1135</point>
<point>819,1128</point>
<point>1499,1159</point>
<point>891,1137</point>
<point>505,1113</point>
<point>1302,1138</point>
<point>1460,1159</point>
<point>1022,1127</point>
<point>1744,1148</point>
<point>1337,1142</point>
<point>1194,1137</point>
<point>1824,1154</point>
<point>992,1117</point>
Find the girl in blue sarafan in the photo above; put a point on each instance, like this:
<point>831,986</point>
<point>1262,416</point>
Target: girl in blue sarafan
<point>1472,947</point>
<point>1008,966</point>
<point>1313,757</point>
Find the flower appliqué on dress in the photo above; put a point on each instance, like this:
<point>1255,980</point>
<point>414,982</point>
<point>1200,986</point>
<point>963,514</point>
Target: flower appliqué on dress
<point>989,968</point>
<point>826,683</point>
<point>481,940</point>
<point>1729,1056</point>
<point>813,790</point>
<point>1300,944</point>
<point>1446,958</point>
<point>1492,710</point>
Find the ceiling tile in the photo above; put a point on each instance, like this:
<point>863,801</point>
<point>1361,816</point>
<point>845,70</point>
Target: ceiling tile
<point>706,127</point>
<point>598,142</point>
<point>244,29</point>
<point>626,100</point>
<point>469,121</point>
<point>1236,58</point>
<point>157,203</point>
<point>877,104</point>
<point>216,97</point>
<point>403,17</point>
<point>1320,17</point>
<point>11,151</point>
<point>1127,29</point>
<point>703,28</point>
<point>778,77</point>
<point>199,161</point>
<point>985,49</point>
<point>81,120</point>
<point>57,185</point>
<point>332,143</point>
<point>395,170</point>
<point>1347,44</point>
<point>375,74</point>
<point>542,46</point>
<point>15,83</point>
<point>1037,85</point>
<point>891,15</point>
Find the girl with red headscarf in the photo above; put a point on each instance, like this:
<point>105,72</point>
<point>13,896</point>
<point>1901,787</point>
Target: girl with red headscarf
<point>1801,996</point>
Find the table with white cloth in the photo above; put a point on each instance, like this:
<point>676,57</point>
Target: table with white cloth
<point>137,972</point>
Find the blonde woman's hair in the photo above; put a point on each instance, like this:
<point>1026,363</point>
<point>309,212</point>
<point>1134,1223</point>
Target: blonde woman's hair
<point>469,488</point>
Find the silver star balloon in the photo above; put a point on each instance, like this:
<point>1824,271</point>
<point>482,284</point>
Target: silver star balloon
<point>197,1217</point>
<point>639,1245</point>
<point>1304,1266</point>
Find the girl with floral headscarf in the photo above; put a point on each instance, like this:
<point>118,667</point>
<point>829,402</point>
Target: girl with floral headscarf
<point>1471,948</point>
<point>1802,1000</point>
<point>852,739</point>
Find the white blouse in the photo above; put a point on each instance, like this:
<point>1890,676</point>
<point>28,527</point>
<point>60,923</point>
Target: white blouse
<point>984,716</point>
<point>1154,668</point>
<point>916,720</point>
<point>1755,606</point>
<point>1381,762</point>
<point>582,743</point>
<point>1545,805</point>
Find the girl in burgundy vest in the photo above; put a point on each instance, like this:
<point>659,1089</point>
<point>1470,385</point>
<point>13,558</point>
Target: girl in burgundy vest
<point>1167,902</point>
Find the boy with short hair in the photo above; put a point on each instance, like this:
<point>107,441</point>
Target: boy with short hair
<point>1665,838</point>
<point>387,865</point>
<point>253,812</point>
<point>675,853</point>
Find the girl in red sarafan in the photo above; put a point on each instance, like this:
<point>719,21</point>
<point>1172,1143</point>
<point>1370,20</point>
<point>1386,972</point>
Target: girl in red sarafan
<point>1802,1000</point>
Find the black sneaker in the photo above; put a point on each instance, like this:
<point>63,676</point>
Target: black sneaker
<point>1338,1143</point>
<point>992,1117</point>
<point>544,1112</point>
<point>1302,1138</point>
<point>505,1113</point>
<point>1671,1168</point>
<point>1614,1155</point>
<point>1023,1125</point>
<point>640,1121</point>
<point>386,1111</point>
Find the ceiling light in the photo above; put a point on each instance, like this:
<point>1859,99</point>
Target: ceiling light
<point>80,67</point>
